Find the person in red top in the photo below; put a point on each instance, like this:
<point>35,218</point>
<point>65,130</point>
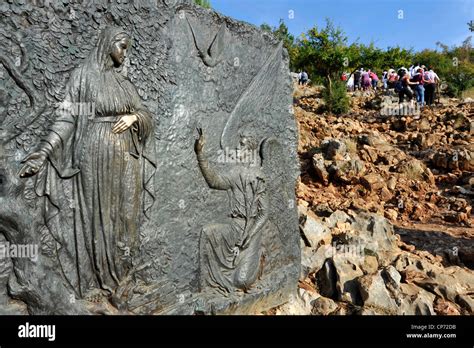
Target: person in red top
<point>392,78</point>
<point>419,88</point>
<point>374,78</point>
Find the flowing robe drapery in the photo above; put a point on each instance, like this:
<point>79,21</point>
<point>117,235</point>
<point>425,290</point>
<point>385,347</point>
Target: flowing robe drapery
<point>98,184</point>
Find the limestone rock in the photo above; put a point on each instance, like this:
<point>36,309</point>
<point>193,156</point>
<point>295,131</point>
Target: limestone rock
<point>416,301</point>
<point>333,149</point>
<point>324,306</point>
<point>299,304</point>
<point>320,168</point>
<point>375,295</point>
<point>315,231</point>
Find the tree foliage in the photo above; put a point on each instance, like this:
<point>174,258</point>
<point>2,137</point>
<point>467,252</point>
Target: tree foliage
<point>336,98</point>
<point>203,3</point>
<point>324,52</point>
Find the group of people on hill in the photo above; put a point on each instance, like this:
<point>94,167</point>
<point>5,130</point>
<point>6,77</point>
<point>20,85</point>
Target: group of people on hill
<point>361,80</point>
<point>418,82</point>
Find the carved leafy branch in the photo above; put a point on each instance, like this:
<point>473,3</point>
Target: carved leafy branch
<point>37,104</point>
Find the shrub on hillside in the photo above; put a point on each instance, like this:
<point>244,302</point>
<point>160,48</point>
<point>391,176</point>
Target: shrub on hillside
<point>336,98</point>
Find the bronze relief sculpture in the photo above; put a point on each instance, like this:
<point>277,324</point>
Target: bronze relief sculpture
<point>126,216</point>
<point>108,156</point>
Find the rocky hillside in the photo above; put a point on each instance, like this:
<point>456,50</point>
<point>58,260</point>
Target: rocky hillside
<point>385,208</point>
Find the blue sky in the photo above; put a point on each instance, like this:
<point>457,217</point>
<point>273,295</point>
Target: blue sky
<point>424,21</point>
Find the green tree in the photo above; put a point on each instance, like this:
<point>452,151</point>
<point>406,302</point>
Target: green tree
<point>336,98</point>
<point>203,3</point>
<point>371,57</point>
<point>324,52</point>
<point>396,57</point>
<point>376,59</point>
<point>460,74</point>
<point>432,58</point>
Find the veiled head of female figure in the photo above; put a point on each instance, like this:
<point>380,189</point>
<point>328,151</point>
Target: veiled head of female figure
<point>119,49</point>
<point>111,48</point>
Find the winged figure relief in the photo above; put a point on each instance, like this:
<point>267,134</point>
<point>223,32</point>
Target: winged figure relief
<point>254,99</point>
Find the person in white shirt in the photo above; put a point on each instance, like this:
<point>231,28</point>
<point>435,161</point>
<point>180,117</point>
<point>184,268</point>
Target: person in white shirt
<point>414,70</point>
<point>431,79</point>
<point>350,83</point>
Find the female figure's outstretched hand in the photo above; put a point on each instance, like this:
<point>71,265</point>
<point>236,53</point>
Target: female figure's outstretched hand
<point>32,164</point>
